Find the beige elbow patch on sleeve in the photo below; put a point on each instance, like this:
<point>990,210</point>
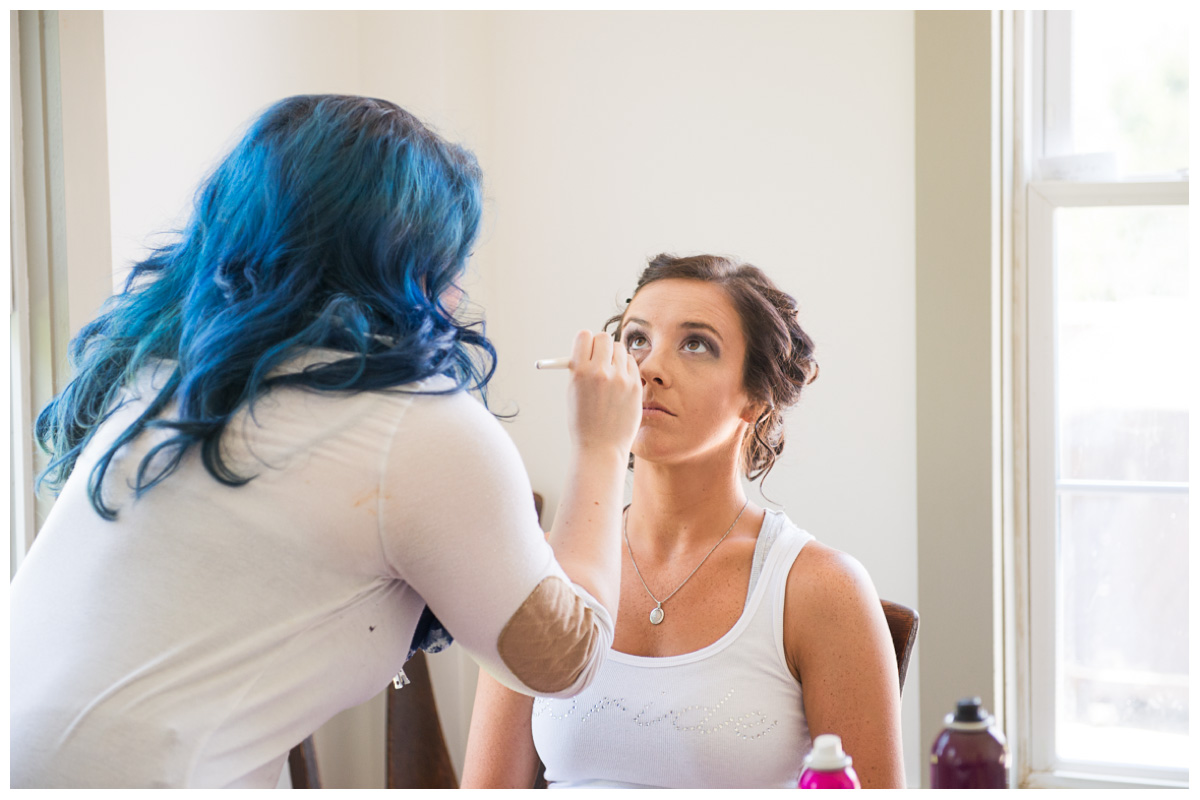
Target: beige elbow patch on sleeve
<point>550,638</point>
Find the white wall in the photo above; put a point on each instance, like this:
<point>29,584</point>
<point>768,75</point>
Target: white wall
<point>783,138</point>
<point>182,86</point>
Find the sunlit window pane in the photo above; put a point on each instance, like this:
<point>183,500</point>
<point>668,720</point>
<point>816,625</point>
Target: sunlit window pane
<point>1129,86</point>
<point>1122,330</point>
<point>1123,629</point>
<point>1122,420</point>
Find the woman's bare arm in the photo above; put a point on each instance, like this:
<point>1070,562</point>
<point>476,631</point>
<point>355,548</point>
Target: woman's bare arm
<point>604,404</point>
<point>500,753</point>
<point>837,642</point>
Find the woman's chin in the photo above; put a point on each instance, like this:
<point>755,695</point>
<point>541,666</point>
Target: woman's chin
<point>651,447</point>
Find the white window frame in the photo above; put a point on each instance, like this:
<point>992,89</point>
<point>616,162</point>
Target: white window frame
<point>1044,198</point>
<point>61,248</point>
<point>1046,36</point>
<point>38,311</point>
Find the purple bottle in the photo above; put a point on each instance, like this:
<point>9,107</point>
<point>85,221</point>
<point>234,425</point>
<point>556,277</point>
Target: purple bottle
<point>970,753</point>
<point>827,766</point>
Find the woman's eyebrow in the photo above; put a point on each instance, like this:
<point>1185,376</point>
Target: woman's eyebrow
<point>703,326</point>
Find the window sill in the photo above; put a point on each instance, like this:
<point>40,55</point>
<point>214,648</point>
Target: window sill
<point>1067,779</point>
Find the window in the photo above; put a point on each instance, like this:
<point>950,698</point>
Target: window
<point>1107,361</point>
<point>38,313</point>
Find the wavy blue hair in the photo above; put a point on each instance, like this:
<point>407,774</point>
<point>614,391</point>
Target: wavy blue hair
<point>336,222</point>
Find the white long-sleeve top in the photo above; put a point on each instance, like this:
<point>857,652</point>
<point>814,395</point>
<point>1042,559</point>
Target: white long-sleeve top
<point>209,629</point>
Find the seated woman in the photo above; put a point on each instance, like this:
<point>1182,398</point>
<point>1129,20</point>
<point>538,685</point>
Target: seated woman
<point>739,637</point>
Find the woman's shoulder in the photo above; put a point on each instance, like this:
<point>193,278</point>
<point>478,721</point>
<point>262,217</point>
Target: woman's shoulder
<point>433,412</point>
<point>817,571</point>
<point>814,561</point>
<point>828,595</point>
<point>451,425</point>
<point>825,583</point>
<point>438,402</point>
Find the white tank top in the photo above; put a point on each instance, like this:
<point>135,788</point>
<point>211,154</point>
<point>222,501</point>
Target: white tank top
<point>729,715</point>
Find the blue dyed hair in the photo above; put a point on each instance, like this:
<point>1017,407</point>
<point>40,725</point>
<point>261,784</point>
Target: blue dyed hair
<point>336,222</point>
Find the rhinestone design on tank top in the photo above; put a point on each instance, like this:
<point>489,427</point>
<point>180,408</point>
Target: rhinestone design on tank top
<point>728,715</point>
<point>741,725</point>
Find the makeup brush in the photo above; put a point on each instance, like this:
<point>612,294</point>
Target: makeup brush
<point>552,363</point>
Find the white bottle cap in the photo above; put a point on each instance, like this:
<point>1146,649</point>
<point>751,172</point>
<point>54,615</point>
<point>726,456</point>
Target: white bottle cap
<point>827,754</point>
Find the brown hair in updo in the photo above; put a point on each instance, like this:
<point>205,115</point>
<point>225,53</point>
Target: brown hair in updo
<point>779,354</point>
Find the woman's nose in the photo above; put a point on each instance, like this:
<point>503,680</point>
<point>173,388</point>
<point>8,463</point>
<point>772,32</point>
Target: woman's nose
<point>649,366</point>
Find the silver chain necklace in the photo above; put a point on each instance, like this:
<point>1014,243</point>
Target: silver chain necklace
<point>656,614</point>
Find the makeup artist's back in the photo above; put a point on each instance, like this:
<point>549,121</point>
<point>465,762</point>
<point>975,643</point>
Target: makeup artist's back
<point>274,485</point>
<point>207,629</point>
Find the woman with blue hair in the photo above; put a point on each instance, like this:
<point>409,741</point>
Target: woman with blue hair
<point>274,486</point>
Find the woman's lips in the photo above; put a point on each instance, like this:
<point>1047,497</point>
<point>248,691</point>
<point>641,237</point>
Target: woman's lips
<point>655,410</point>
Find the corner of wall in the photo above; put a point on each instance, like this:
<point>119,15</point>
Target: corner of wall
<point>956,394</point>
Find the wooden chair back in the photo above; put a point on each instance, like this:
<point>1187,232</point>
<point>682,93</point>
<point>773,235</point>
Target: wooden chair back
<point>417,756</point>
<point>902,622</point>
<point>302,761</point>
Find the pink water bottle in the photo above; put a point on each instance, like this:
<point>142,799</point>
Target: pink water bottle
<point>970,753</point>
<point>828,766</point>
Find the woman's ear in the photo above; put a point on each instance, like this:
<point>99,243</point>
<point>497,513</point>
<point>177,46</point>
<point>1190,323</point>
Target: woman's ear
<point>753,410</point>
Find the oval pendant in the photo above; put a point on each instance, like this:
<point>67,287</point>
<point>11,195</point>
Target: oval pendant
<point>656,616</point>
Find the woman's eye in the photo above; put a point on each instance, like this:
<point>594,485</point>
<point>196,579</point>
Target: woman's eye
<point>695,346</point>
<point>636,341</point>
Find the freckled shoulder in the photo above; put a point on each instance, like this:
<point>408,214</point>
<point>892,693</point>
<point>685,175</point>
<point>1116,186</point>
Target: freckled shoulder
<point>820,574</point>
<point>828,592</point>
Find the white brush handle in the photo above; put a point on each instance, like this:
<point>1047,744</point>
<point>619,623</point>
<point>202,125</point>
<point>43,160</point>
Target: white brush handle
<point>553,363</point>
